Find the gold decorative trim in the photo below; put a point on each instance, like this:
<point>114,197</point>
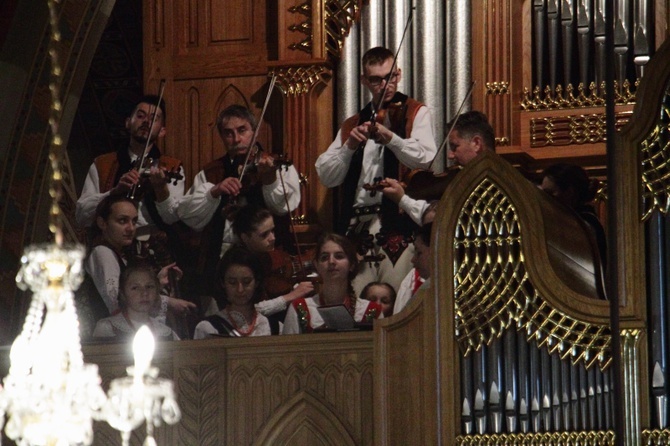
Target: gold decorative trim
<point>656,437</point>
<point>655,156</point>
<point>497,88</point>
<point>300,219</point>
<point>632,398</point>
<point>573,129</point>
<point>340,15</point>
<point>502,141</point>
<point>555,100</point>
<point>293,81</point>
<point>588,438</point>
<point>493,291</point>
<point>304,27</point>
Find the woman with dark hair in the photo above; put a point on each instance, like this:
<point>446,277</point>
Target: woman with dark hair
<point>240,286</point>
<point>138,299</point>
<point>112,239</point>
<point>254,229</point>
<point>570,185</point>
<point>336,263</point>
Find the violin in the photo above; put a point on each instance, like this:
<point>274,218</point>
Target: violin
<point>421,184</point>
<point>288,270</point>
<point>249,172</point>
<point>172,175</point>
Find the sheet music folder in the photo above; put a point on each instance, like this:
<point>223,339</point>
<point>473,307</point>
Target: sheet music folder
<point>337,317</point>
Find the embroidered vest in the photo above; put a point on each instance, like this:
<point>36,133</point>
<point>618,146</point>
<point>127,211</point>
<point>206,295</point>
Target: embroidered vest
<point>401,111</point>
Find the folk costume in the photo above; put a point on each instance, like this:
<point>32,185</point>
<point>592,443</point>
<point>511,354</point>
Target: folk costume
<point>202,212</point>
<point>370,219</point>
<point>121,327</point>
<point>98,296</point>
<point>303,314</point>
<point>105,173</point>
<point>232,323</point>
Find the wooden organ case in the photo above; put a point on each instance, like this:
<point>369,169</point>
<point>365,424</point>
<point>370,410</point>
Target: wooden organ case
<point>512,342</point>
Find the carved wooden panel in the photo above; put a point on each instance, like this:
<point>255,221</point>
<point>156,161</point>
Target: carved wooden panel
<point>303,389</point>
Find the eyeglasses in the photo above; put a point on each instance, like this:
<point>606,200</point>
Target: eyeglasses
<point>376,80</point>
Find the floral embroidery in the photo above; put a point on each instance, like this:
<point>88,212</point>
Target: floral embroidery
<point>372,312</point>
<point>302,310</point>
<point>393,244</point>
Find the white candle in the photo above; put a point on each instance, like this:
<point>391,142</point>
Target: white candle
<point>143,351</point>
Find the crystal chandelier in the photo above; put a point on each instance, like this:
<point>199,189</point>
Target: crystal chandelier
<point>50,396</point>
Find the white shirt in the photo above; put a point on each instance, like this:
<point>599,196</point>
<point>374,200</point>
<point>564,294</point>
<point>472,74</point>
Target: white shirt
<point>406,291</point>
<point>103,267</point>
<point>113,326</point>
<point>198,206</point>
<point>91,196</point>
<point>416,152</point>
<point>414,208</point>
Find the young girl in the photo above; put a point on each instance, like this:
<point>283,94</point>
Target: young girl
<point>112,239</point>
<point>241,283</point>
<point>382,293</point>
<point>138,298</point>
<point>336,263</point>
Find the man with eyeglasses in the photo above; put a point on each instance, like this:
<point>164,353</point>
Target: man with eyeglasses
<point>365,152</point>
<point>217,193</point>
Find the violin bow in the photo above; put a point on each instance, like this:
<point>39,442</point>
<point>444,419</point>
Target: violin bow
<point>380,102</point>
<point>453,124</point>
<point>292,225</point>
<point>145,153</point>
<point>252,145</point>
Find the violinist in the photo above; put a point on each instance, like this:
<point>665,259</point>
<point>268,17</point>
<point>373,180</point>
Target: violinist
<point>471,135</point>
<point>365,152</point>
<point>210,204</point>
<point>114,173</point>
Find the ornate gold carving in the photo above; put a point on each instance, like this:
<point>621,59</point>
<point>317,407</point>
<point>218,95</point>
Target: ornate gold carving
<point>494,292</point>
<point>655,437</point>
<point>497,88</point>
<point>339,16</point>
<point>299,80</point>
<point>502,141</point>
<point>656,164</point>
<point>573,129</point>
<point>554,100</point>
<point>590,438</point>
<point>303,27</point>
<point>303,8</point>
<point>300,219</point>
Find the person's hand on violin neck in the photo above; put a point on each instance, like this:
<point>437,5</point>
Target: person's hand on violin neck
<point>230,186</point>
<point>267,172</point>
<point>127,181</point>
<point>360,134</point>
<point>159,184</point>
<point>381,134</point>
<point>393,189</point>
